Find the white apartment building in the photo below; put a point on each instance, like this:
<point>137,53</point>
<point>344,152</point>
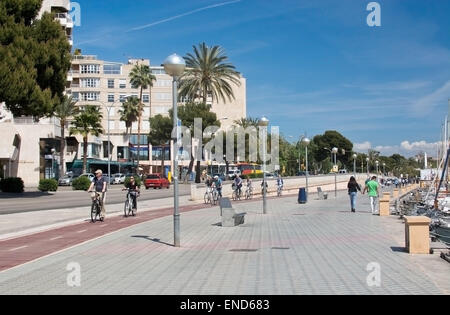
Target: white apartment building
<point>107,85</point>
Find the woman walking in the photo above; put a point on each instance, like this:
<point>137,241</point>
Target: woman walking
<point>353,188</point>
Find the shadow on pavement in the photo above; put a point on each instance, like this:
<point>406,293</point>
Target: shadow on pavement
<point>31,194</point>
<point>398,249</point>
<point>156,240</point>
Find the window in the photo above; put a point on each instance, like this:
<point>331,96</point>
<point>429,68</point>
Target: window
<point>90,83</point>
<point>111,98</point>
<point>123,83</point>
<point>76,96</point>
<point>90,96</point>
<point>157,153</point>
<point>144,139</point>
<point>163,96</point>
<point>122,153</point>
<point>162,110</point>
<point>163,83</point>
<point>146,125</point>
<point>122,98</point>
<point>90,68</point>
<point>146,111</point>
<point>112,125</point>
<point>145,98</point>
<point>110,83</point>
<point>122,126</point>
<point>112,69</point>
<point>158,71</point>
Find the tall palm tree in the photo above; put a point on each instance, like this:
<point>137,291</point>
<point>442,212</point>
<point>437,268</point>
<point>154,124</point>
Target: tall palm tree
<point>141,77</point>
<point>129,112</point>
<point>208,73</point>
<point>247,122</point>
<point>87,122</point>
<point>64,111</point>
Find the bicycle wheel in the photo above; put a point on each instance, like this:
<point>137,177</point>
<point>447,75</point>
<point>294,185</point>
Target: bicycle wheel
<point>125,208</point>
<point>206,198</point>
<point>130,207</point>
<point>93,212</point>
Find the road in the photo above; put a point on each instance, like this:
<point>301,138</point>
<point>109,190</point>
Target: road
<point>66,198</point>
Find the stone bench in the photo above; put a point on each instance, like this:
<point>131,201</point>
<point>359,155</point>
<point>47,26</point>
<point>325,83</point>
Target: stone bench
<point>229,216</point>
<point>322,195</point>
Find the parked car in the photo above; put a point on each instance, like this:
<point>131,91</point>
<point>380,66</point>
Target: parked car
<point>232,174</point>
<point>118,178</point>
<point>343,172</point>
<point>302,173</point>
<point>270,175</point>
<point>88,175</point>
<point>65,181</point>
<point>156,181</point>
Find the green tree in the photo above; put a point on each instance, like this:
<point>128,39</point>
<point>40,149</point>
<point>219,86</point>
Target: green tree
<point>64,111</point>
<point>87,122</point>
<point>186,114</point>
<point>39,54</point>
<point>329,140</point>
<point>141,77</point>
<point>247,122</point>
<point>129,112</point>
<point>161,133</point>
<point>208,73</point>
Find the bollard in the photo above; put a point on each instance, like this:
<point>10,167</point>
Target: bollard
<point>417,235</point>
<point>395,193</point>
<point>386,195</point>
<point>384,207</point>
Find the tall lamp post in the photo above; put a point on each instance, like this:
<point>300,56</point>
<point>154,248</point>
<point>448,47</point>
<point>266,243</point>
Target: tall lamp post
<point>306,142</point>
<point>264,122</point>
<point>174,66</point>
<point>354,163</point>
<point>384,169</point>
<point>377,163</point>
<point>53,150</point>
<point>367,160</point>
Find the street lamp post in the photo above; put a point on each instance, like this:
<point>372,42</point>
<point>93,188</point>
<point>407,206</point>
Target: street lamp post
<point>384,169</point>
<point>119,155</point>
<point>306,142</point>
<point>53,159</point>
<point>174,66</point>
<point>354,163</point>
<point>377,163</point>
<point>264,122</point>
<point>367,160</point>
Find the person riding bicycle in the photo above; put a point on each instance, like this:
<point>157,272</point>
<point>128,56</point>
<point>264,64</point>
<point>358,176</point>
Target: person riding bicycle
<point>238,184</point>
<point>280,182</point>
<point>99,183</point>
<point>134,191</point>
<point>218,185</point>
<point>249,184</point>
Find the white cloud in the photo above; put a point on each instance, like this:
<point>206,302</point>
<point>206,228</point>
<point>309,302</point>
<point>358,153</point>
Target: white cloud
<point>427,103</point>
<point>405,148</point>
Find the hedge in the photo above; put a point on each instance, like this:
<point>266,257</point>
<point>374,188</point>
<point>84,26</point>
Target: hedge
<point>48,185</point>
<point>12,185</point>
<point>81,183</point>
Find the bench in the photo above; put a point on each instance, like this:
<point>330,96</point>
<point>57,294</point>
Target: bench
<point>229,216</point>
<point>322,195</point>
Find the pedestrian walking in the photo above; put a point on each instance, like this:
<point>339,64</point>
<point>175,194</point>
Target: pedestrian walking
<point>353,188</point>
<point>373,189</point>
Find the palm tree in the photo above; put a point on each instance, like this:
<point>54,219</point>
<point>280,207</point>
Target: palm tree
<point>161,134</point>
<point>141,77</point>
<point>208,73</point>
<point>247,122</point>
<point>87,122</point>
<point>64,111</point>
<point>129,112</point>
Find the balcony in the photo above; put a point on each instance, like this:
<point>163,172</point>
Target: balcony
<point>84,57</point>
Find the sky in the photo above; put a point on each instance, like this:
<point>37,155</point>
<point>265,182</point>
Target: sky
<point>310,65</point>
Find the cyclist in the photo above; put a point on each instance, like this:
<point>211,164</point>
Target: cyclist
<point>238,184</point>
<point>99,183</point>
<point>280,182</point>
<point>133,189</point>
<point>249,184</point>
<point>218,185</point>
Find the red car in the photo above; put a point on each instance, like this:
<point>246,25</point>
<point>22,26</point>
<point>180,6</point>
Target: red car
<point>156,181</point>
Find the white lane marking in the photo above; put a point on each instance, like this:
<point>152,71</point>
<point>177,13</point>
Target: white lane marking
<point>81,231</point>
<point>17,248</point>
<point>104,225</point>
<point>55,238</point>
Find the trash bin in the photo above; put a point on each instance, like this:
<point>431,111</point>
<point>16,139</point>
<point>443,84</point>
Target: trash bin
<point>302,195</point>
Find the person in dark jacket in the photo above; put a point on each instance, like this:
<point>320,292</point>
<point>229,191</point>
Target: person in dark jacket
<point>353,188</point>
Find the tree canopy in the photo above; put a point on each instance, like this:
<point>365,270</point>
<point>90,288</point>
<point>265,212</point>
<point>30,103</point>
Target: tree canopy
<point>34,59</point>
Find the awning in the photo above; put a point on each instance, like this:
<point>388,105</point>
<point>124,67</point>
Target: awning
<point>9,141</point>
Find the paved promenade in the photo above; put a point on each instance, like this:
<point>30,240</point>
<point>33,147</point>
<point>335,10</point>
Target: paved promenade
<point>318,248</point>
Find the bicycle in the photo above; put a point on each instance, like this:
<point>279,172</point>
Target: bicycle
<point>236,193</point>
<point>215,196</point>
<point>208,197</point>
<point>96,208</point>
<point>249,193</point>
<point>128,208</point>
<point>279,190</point>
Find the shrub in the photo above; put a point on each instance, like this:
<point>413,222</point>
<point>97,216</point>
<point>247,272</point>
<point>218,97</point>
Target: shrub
<point>137,179</point>
<point>48,185</point>
<point>12,185</point>
<point>81,183</point>
<point>255,175</point>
